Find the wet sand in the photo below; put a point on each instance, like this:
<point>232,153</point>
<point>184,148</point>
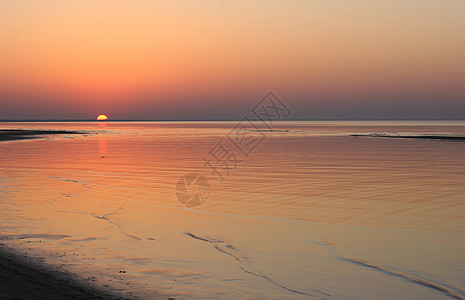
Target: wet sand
<point>19,134</point>
<point>22,278</point>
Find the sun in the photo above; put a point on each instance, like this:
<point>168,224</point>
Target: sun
<point>102,118</point>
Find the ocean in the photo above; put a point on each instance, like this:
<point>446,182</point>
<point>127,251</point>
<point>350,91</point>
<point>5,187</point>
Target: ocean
<point>231,210</point>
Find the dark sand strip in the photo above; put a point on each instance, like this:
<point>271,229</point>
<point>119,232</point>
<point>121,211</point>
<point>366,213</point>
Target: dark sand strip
<point>19,134</point>
<point>421,137</point>
<point>21,279</point>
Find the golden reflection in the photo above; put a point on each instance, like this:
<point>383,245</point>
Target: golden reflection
<point>102,145</point>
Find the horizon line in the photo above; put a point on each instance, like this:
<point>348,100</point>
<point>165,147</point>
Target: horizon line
<point>209,120</point>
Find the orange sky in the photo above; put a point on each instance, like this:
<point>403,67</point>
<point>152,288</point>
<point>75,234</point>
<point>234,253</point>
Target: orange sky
<point>214,59</point>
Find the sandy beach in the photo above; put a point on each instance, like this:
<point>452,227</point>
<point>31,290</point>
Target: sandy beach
<point>23,278</point>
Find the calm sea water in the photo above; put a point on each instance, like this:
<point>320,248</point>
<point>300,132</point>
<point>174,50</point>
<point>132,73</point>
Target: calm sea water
<point>311,212</point>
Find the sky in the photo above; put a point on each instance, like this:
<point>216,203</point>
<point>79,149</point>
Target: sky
<point>215,59</point>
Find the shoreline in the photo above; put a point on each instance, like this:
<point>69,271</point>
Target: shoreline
<point>23,134</point>
<point>23,278</point>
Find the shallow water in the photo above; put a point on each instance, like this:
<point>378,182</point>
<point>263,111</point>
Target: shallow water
<point>310,212</point>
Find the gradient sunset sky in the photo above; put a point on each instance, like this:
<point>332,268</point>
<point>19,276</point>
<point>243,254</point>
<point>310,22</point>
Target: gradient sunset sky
<point>214,59</point>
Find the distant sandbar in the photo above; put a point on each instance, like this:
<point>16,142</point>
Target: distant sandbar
<point>21,134</point>
<point>423,137</point>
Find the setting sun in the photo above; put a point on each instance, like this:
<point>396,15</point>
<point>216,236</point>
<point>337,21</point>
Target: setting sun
<point>265,149</point>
